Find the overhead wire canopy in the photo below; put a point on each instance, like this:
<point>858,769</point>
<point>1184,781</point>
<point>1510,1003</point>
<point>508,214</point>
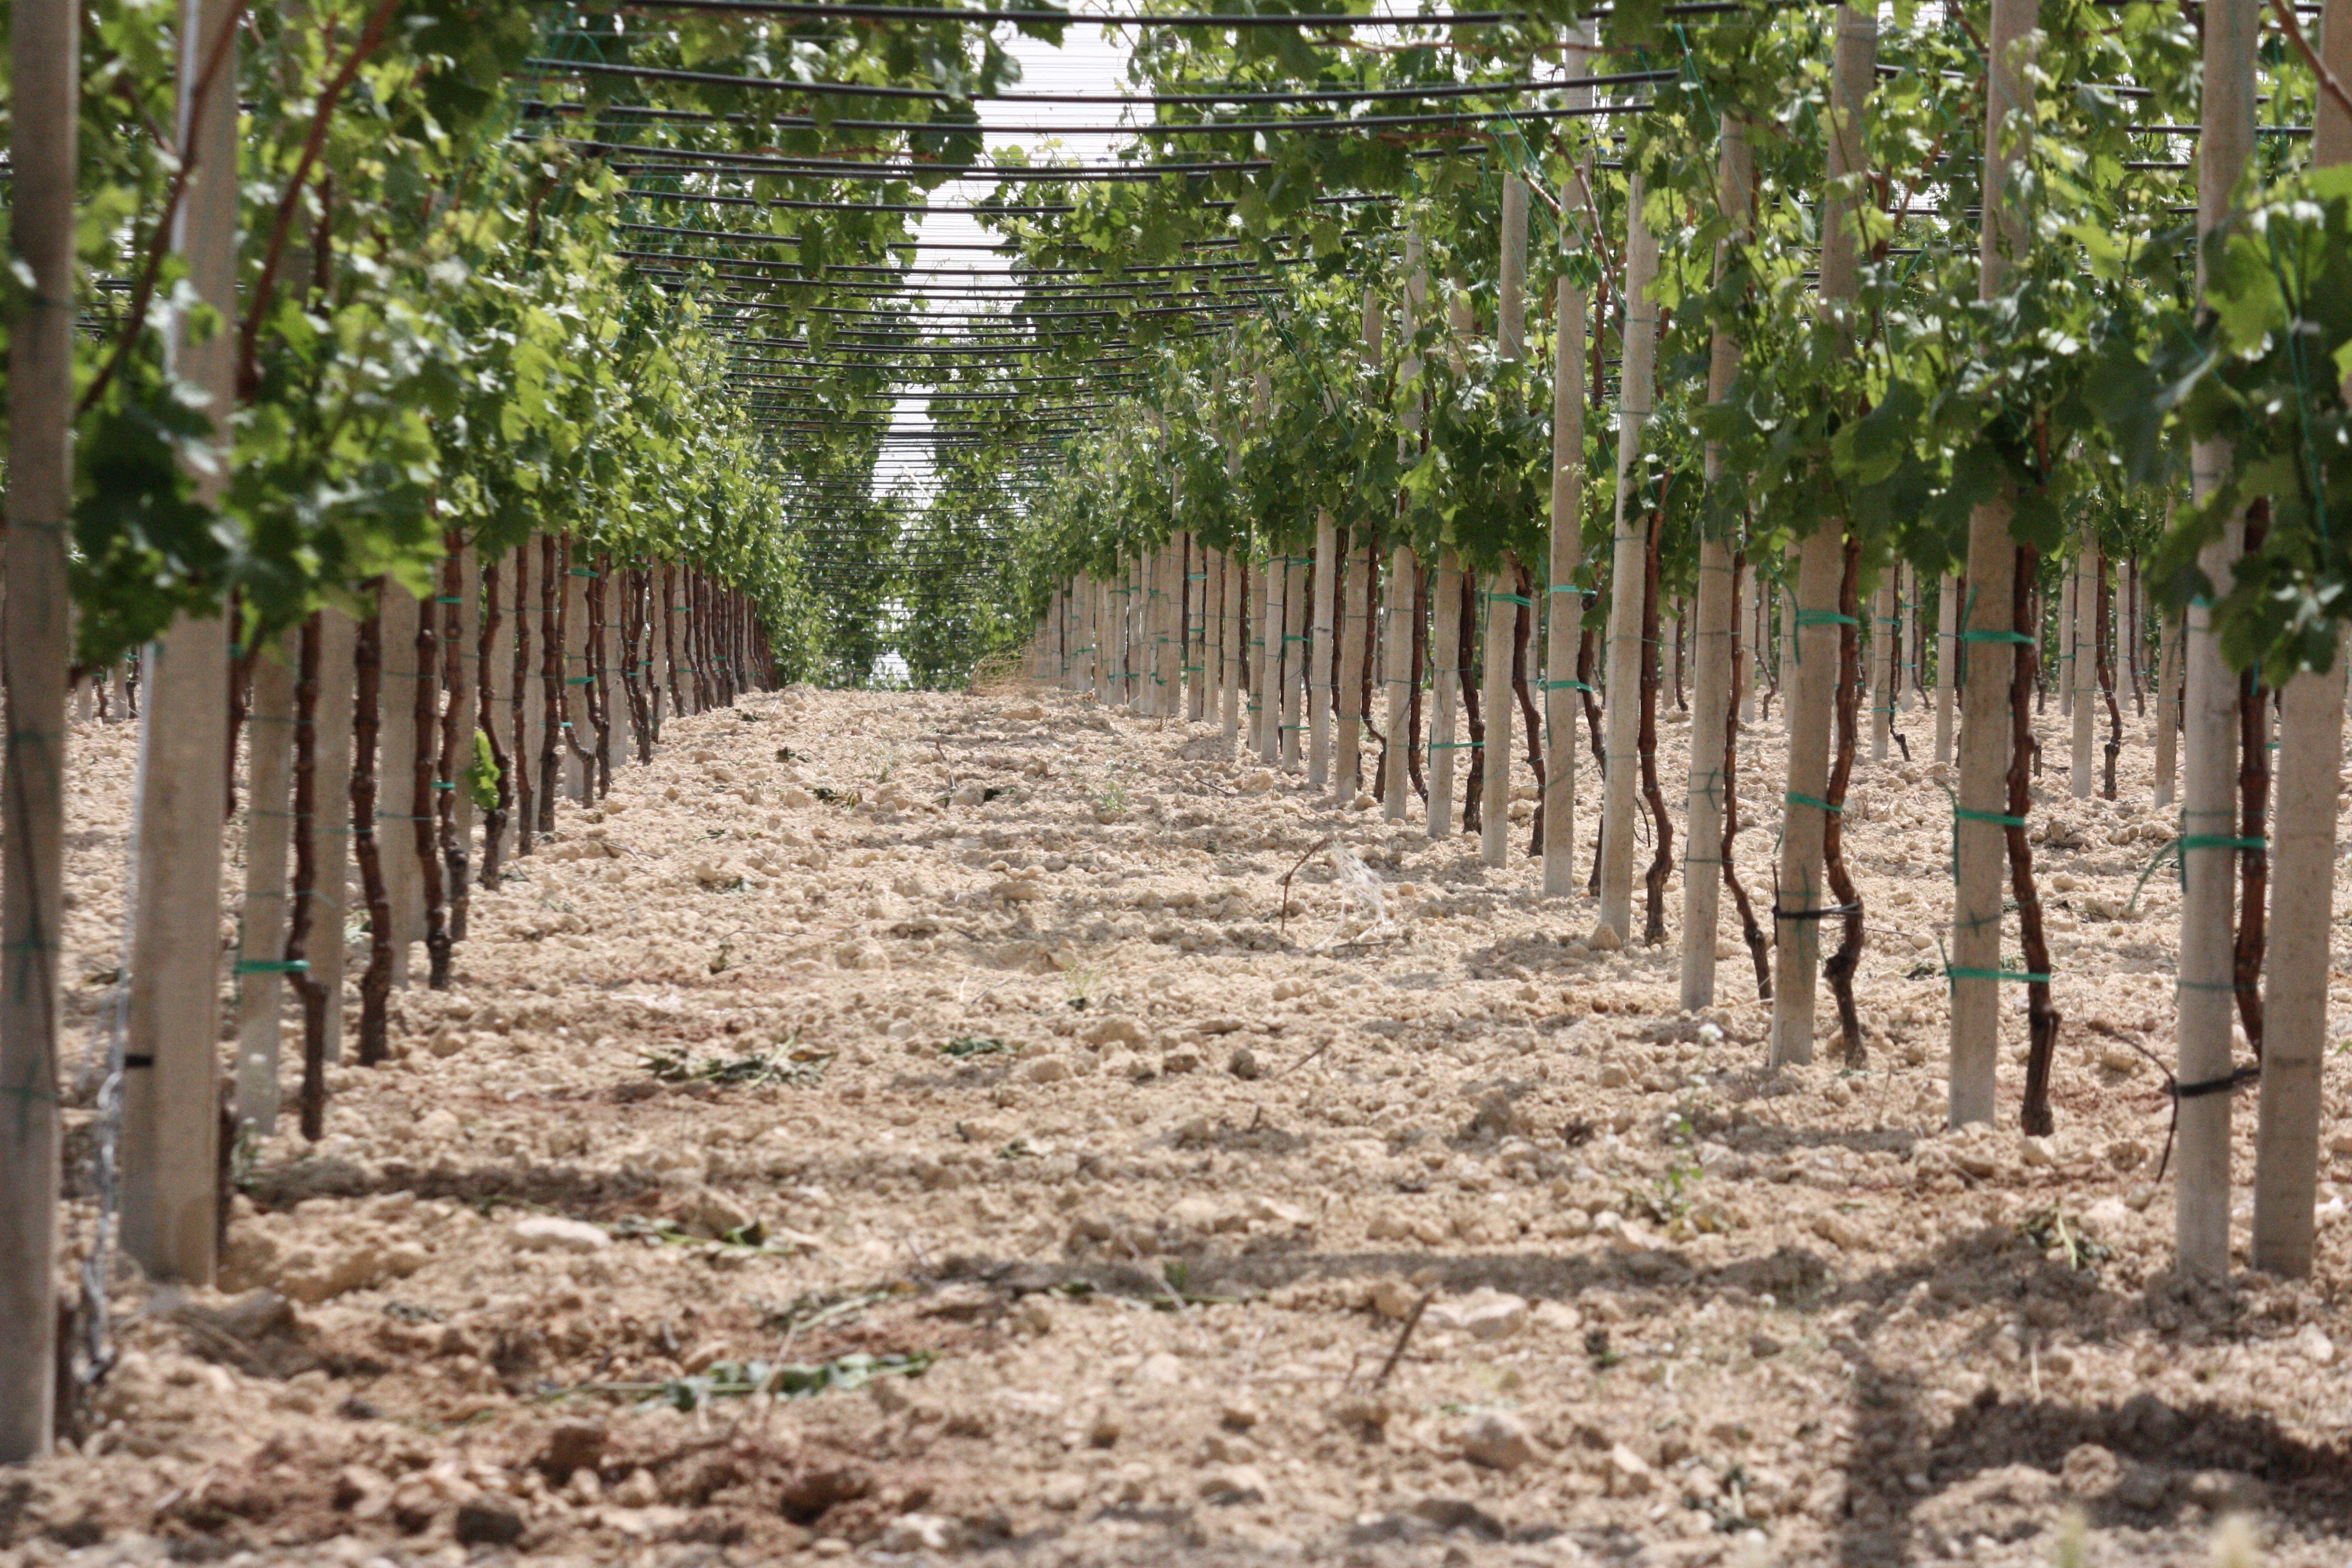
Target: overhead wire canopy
<point>885,369</point>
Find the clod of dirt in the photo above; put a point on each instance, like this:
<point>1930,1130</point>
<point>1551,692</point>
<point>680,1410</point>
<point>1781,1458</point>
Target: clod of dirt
<point>573,1445</point>
<point>1498,1440</point>
<point>552,1233</point>
<point>489,1522</point>
<point>809,1495</point>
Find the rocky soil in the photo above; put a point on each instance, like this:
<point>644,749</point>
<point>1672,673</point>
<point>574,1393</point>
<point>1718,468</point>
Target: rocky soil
<point>910,1127</point>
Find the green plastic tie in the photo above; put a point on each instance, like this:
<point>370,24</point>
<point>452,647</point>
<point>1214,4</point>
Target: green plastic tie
<point>1793,798</point>
<point>271,966</point>
<point>1511,599</point>
<point>1964,814</point>
<point>2025,976</point>
<point>1561,686</point>
<point>1824,619</point>
<point>1997,637</point>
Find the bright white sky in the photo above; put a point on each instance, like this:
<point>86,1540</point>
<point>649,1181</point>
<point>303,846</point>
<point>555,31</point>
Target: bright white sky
<point>1087,61</point>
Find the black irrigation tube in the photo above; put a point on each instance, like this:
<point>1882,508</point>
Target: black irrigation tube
<point>1186,128</point>
<point>903,437</point>
<point>1063,411</point>
<point>859,370</point>
<point>913,349</point>
<point>855,169</point>
<point>854,268</point>
<point>1001,350</point>
<point>2198,130</point>
<point>866,11</point>
<point>1044,400</point>
<point>1014,299</point>
<point>1010,294</point>
<point>789,166</point>
<point>1003,354</point>
<point>998,282</point>
<point>858,12</point>
<point>994,247</point>
<point>1114,383</point>
<point>1044,209</point>
<point>1243,303</point>
<point>802,346</point>
<point>1429,92</point>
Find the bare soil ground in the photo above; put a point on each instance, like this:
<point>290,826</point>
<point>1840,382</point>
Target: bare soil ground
<point>907,1127</point>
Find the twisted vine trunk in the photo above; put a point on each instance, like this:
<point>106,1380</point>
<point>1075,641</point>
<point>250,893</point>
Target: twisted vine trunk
<point>633,647</point>
<point>367,722</point>
<point>494,821</point>
<point>599,690</point>
<point>424,819</point>
<point>1840,968</point>
<point>2254,858</point>
<point>2041,1013</point>
<point>1584,659</point>
<point>1759,946</point>
<point>1595,738</point>
<point>1522,631</point>
<point>1474,793</point>
<point>1445,692</point>
<point>2100,633</point>
<point>527,614</point>
<point>550,680</point>
<point>670,628</point>
<point>1662,858</point>
<point>457,742</point>
<point>308,987</point>
<point>1412,678</point>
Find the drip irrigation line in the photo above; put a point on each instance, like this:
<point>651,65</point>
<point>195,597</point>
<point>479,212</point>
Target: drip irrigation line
<point>1050,402</point>
<point>992,246</point>
<point>1039,209</point>
<point>2200,131</point>
<point>1064,294</point>
<point>1431,91</point>
<point>859,368</point>
<point>1004,285</point>
<point>957,349</point>
<point>846,171</point>
<point>1057,411</point>
<point>1245,268</point>
<point>909,438</point>
<point>815,168</point>
<point>1119,382</point>
<point>863,11</point>
<point>1162,128</point>
<point>801,9</point>
<point>1244,303</point>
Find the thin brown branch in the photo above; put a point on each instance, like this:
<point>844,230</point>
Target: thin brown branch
<point>249,340</point>
<point>2327,80</point>
<point>161,245</point>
